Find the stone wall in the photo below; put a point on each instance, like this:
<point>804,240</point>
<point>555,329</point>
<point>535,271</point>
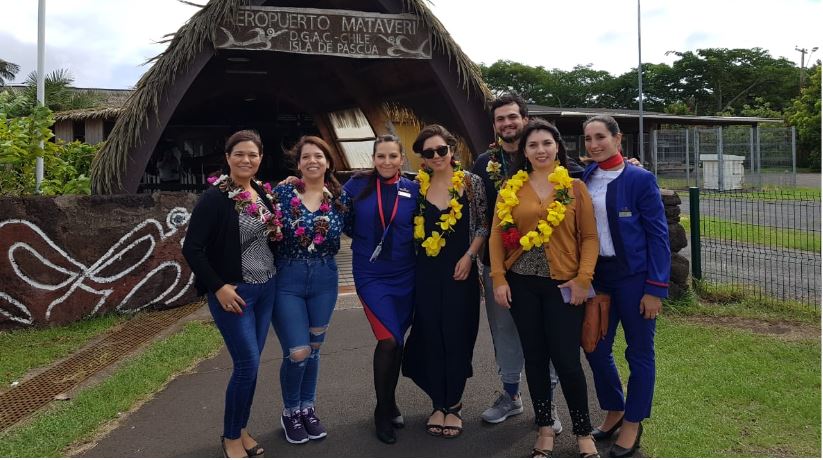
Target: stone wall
<point>679,280</point>
<point>64,258</point>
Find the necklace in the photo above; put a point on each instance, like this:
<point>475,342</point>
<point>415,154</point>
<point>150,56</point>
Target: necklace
<point>321,222</point>
<point>495,166</point>
<point>437,240</point>
<point>555,211</point>
<point>243,204</point>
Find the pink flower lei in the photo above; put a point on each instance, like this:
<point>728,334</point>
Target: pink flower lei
<point>243,204</point>
<point>321,222</point>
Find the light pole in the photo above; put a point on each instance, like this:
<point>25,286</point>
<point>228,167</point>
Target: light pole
<point>41,85</point>
<point>640,87</point>
<point>803,52</point>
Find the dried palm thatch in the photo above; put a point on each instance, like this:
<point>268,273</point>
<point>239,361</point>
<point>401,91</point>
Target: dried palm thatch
<point>109,113</point>
<point>199,32</point>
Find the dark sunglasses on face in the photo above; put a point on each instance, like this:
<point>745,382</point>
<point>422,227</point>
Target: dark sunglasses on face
<point>428,154</point>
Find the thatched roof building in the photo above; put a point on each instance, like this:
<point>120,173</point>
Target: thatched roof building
<point>288,68</point>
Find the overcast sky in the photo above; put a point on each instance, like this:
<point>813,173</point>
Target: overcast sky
<point>104,42</point>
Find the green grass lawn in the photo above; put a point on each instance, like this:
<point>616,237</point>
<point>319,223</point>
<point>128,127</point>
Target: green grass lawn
<point>712,227</point>
<point>49,433</point>
<point>27,349</point>
<point>724,392</point>
<point>729,300</point>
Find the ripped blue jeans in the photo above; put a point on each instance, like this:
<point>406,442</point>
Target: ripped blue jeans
<point>306,294</point>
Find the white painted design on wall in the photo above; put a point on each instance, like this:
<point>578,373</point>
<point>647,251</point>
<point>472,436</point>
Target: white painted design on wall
<point>96,279</point>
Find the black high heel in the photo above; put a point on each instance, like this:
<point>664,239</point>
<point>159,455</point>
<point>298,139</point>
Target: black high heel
<point>384,428</point>
<point>600,435</point>
<point>622,452</point>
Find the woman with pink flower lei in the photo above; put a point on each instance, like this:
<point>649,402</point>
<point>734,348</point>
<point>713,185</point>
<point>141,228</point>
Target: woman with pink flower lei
<point>229,247</point>
<point>315,212</point>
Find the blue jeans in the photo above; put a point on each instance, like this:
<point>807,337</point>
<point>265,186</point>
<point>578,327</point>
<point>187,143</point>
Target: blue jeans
<point>306,294</point>
<point>245,336</point>
<point>508,353</point>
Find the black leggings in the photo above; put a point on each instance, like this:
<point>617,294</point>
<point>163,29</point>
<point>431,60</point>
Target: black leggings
<point>550,331</point>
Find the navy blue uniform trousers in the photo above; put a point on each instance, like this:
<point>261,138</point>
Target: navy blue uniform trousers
<point>626,292</point>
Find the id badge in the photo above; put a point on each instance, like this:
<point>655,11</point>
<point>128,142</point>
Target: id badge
<point>404,193</point>
<point>376,252</point>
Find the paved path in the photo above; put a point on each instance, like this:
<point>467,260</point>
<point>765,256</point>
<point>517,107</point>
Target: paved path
<point>185,419</point>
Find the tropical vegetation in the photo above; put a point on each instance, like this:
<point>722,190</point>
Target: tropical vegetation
<point>710,81</point>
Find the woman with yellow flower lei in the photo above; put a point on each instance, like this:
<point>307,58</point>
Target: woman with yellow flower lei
<point>543,248</point>
<point>450,228</point>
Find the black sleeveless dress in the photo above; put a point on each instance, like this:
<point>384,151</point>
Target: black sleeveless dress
<point>439,349</point>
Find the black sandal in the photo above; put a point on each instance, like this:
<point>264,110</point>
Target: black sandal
<point>225,452</point>
<point>459,429</point>
<point>436,430</point>
<point>543,453</point>
<point>255,451</point>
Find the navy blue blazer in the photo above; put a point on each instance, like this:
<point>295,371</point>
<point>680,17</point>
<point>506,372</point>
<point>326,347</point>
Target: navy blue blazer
<point>638,226</point>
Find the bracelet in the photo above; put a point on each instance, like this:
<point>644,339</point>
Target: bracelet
<point>471,255</point>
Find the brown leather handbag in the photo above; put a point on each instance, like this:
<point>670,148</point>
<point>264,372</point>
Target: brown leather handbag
<point>595,321</point>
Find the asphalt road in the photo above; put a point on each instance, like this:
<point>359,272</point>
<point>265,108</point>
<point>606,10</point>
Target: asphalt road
<point>185,419</point>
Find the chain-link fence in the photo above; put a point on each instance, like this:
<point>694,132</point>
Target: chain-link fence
<point>723,158</point>
<point>765,241</point>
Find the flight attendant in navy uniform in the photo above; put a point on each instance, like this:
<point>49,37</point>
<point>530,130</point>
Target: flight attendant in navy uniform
<point>383,264</point>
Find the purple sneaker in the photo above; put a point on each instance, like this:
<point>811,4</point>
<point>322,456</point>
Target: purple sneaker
<point>293,428</point>
<point>313,426</point>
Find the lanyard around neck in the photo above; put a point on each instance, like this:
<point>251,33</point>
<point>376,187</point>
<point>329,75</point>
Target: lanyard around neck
<point>380,207</point>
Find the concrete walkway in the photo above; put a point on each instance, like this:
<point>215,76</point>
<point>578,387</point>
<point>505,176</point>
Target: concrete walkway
<point>185,419</point>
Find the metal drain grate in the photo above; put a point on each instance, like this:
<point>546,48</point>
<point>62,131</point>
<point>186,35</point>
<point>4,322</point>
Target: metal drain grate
<point>31,395</point>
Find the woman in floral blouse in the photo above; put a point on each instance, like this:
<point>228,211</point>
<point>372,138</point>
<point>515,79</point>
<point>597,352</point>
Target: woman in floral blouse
<point>315,211</point>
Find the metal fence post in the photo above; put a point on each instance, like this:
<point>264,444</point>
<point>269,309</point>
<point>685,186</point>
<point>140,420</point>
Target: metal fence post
<point>699,175</point>
<point>688,166</point>
<point>794,156</point>
<point>721,182</point>
<point>751,152</point>
<point>655,157</point>
<point>694,225</point>
<point>757,155</point>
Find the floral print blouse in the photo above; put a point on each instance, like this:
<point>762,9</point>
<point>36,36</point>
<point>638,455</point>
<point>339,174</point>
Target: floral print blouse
<point>303,233</point>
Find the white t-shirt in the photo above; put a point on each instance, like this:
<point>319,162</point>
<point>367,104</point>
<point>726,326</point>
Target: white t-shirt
<point>598,185</point>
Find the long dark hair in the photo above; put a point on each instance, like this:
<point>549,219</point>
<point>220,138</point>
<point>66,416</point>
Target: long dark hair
<point>372,174</point>
<point>333,184</point>
<point>436,130</point>
<point>537,124</point>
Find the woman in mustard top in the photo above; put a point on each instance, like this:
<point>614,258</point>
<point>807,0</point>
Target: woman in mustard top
<point>543,247</point>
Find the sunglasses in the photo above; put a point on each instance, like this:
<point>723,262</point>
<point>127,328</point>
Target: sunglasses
<point>428,154</point>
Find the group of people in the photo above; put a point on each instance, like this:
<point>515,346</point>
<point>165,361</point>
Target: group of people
<point>547,243</point>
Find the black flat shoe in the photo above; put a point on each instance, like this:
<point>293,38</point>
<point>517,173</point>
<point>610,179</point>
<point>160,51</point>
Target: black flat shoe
<point>600,435</point>
<point>622,452</point>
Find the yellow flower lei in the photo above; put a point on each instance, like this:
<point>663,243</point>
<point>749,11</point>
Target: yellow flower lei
<point>436,241</point>
<point>555,211</point>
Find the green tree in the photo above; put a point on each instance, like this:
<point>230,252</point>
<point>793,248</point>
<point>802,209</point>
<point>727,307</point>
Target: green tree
<point>23,139</point>
<point>804,115</point>
<point>7,71</point>
<point>59,94</point>
<point>718,80</point>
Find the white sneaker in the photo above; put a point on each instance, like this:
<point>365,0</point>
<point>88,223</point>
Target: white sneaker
<point>557,427</point>
<point>502,408</point>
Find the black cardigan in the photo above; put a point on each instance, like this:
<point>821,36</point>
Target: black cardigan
<point>212,245</point>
